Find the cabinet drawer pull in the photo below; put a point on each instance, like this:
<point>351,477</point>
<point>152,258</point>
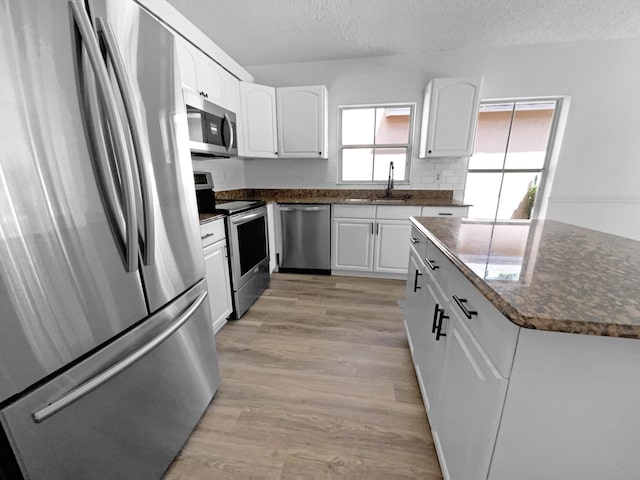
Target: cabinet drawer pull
<point>415,281</point>
<point>413,240</point>
<point>461,301</point>
<point>206,236</point>
<point>439,326</point>
<point>435,318</point>
<point>430,263</point>
<point>445,213</point>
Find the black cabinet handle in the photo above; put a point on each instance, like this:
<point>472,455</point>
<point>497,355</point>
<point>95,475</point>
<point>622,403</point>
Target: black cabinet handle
<point>377,228</point>
<point>439,327</point>
<point>415,281</point>
<point>461,301</point>
<point>445,213</point>
<point>435,318</point>
<point>414,240</point>
<point>429,151</point>
<point>320,153</point>
<point>431,265</point>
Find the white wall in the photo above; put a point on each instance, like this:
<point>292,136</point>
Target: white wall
<point>598,164</point>
<point>227,173</point>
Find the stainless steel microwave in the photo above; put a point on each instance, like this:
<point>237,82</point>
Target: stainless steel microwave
<point>212,129</point>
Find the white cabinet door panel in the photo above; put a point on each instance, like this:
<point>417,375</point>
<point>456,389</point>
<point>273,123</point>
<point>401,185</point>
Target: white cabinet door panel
<point>301,119</point>
<point>352,244</point>
<point>218,281</point>
<point>450,117</point>
<point>187,62</point>
<point>258,104</point>
<point>472,394</point>
<point>392,247</point>
<point>210,80</point>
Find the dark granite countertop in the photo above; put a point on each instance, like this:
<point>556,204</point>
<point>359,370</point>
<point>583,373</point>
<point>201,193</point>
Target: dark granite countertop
<point>209,217</point>
<point>344,196</point>
<point>547,275</point>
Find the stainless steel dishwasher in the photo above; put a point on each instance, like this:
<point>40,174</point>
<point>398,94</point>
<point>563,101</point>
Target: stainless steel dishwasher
<point>306,238</point>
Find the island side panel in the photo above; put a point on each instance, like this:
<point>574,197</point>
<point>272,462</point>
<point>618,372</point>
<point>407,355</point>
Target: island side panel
<point>572,409</point>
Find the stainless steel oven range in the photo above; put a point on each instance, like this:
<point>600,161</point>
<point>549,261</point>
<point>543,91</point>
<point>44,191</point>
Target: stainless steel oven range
<point>247,236</point>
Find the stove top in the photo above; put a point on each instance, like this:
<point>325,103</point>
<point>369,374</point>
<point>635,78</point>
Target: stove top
<point>237,206</point>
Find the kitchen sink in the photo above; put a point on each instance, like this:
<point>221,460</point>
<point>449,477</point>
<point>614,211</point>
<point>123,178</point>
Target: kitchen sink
<point>376,200</point>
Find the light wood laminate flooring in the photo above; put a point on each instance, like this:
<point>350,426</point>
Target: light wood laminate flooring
<point>317,382</point>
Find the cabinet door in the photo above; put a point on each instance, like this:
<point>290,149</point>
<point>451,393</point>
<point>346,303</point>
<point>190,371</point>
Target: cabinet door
<point>413,311</point>
<point>431,349</point>
<point>352,246</point>
<point>450,117</point>
<point>301,118</point>
<point>471,401</point>
<point>218,281</point>
<point>187,62</point>
<point>391,248</point>
<point>211,80</point>
<point>444,211</point>
<point>258,104</point>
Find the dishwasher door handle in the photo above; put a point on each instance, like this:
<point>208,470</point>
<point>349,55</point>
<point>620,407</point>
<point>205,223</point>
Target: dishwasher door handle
<point>304,209</point>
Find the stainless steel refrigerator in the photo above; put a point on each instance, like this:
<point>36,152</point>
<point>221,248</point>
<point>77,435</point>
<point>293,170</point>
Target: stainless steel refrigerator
<point>107,354</point>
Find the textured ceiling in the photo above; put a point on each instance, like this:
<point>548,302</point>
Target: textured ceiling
<point>258,32</point>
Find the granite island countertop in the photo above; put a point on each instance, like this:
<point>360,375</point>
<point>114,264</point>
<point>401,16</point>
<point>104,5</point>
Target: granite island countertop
<point>344,196</point>
<point>547,275</point>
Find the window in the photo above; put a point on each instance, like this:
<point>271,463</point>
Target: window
<point>371,137</point>
<point>509,159</point>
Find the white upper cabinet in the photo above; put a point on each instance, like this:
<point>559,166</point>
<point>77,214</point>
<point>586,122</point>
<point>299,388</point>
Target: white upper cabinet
<point>450,117</point>
<point>258,117</point>
<point>211,80</point>
<point>202,75</point>
<point>187,62</point>
<point>302,121</point>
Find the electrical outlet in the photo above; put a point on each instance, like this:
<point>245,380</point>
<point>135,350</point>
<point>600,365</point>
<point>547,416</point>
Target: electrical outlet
<point>438,177</point>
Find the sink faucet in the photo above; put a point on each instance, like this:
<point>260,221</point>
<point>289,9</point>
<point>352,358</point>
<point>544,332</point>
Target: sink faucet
<point>387,192</point>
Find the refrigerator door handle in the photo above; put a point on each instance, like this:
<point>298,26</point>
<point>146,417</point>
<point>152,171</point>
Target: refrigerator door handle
<point>103,377</point>
<point>143,156</point>
<point>90,43</point>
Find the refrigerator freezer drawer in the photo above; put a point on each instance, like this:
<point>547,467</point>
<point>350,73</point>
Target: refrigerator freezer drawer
<point>149,390</point>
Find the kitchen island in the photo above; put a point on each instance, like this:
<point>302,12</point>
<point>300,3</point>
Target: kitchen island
<point>524,340</point>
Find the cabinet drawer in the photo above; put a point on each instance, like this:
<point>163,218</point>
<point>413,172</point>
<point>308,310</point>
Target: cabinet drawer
<point>394,212</point>
<point>494,332</point>
<point>444,211</point>
<point>212,232</point>
<point>418,241</point>
<point>497,335</point>
<point>354,211</point>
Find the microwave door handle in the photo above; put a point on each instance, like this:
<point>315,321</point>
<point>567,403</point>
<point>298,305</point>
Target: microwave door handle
<point>227,120</point>
<point>84,29</point>
<point>140,146</point>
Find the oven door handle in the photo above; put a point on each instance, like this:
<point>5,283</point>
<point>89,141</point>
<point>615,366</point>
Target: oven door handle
<point>246,218</point>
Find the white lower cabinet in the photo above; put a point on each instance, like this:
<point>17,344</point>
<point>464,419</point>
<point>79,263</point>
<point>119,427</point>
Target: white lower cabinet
<point>371,239</point>
<point>217,272</point>
<point>391,247</point>
<point>471,398</point>
<point>352,244</point>
<point>462,389</point>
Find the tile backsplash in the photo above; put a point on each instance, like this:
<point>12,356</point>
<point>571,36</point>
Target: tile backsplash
<point>236,173</point>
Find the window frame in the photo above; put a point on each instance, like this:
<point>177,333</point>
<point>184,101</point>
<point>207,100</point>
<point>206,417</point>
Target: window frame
<point>408,145</point>
<point>543,170</point>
